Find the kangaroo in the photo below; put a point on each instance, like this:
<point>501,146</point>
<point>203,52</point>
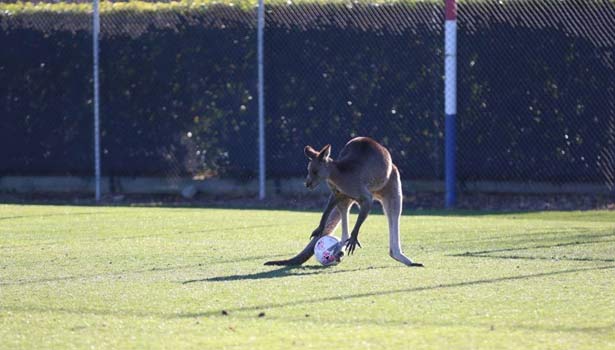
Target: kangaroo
<point>363,173</point>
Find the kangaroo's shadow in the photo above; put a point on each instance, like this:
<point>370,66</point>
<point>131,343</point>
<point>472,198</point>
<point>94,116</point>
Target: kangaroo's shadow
<point>286,271</point>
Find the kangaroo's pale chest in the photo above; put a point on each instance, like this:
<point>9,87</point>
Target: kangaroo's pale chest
<point>333,187</point>
<point>345,190</point>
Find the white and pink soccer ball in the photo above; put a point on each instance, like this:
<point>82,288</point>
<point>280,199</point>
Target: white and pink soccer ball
<point>328,250</point>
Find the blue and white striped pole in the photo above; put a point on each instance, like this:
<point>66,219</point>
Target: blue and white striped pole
<point>450,100</point>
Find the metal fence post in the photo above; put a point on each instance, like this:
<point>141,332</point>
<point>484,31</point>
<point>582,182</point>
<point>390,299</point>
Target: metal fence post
<point>450,99</point>
<point>261,101</point>
<point>95,32</point>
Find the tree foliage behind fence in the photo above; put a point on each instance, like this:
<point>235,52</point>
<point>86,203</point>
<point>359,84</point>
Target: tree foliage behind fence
<point>178,90</point>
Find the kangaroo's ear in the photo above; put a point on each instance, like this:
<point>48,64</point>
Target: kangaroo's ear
<point>310,152</point>
<point>325,152</point>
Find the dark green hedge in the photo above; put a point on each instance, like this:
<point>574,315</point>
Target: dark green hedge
<point>535,97</point>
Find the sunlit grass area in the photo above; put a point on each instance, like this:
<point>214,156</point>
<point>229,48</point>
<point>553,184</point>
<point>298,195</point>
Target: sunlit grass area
<point>122,277</point>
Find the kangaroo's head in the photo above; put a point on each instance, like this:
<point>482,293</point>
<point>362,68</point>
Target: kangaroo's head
<point>318,166</point>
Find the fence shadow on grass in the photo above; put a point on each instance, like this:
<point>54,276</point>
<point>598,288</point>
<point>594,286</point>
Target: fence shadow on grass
<point>286,271</point>
<point>394,292</point>
<point>319,299</point>
<point>492,253</point>
<point>44,216</point>
<point>148,235</point>
<point>123,273</point>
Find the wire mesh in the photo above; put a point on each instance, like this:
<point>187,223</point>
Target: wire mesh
<point>536,92</point>
<point>536,89</point>
<point>358,69</point>
<point>181,95</point>
<point>45,96</point>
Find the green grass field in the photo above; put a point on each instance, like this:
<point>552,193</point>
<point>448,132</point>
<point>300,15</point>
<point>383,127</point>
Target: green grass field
<point>175,278</point>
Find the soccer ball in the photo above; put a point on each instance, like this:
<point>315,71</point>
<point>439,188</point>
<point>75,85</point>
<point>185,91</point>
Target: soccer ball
<point>328,250</point>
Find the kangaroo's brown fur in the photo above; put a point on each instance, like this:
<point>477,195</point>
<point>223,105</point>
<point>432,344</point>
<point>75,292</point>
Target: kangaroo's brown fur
<point>363,173</point>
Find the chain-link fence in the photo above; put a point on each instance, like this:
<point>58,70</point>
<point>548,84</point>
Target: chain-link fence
<point>536,91</point>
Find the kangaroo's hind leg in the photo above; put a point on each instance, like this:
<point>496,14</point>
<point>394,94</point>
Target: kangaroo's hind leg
<point>391,197</point>
<point>343,207</point>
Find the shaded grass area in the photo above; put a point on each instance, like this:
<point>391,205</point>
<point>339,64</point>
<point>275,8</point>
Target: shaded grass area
<point>119,277</point>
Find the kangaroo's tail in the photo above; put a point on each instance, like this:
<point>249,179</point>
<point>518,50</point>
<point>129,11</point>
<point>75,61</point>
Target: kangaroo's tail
<point>307,252</point>
<point>300,258</point>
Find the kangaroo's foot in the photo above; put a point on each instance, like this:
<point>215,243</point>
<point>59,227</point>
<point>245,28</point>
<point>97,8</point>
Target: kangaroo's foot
<point>399,256</point>
<point>351,244</point>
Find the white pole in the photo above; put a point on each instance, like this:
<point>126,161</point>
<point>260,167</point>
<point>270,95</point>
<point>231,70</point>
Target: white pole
<point>95,32</point>
<point>261,101</point>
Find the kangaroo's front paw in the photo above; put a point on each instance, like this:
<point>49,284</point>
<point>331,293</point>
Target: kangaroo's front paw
<point>351,244</point>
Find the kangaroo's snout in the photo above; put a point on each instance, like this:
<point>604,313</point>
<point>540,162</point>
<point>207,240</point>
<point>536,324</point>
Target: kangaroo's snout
<point>310,184</point>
